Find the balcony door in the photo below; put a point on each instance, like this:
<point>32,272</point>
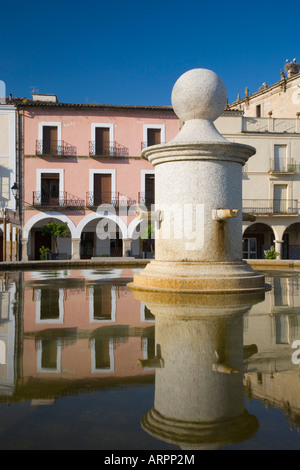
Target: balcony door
<point>250,248</point>
<point>149,189</point>
<point>50,189</point>
<point>153,136</point>
<point>279,157</point>
<point>102,142</point>
<point>50,140</point>
<point>102,189</point>
<point>280,198</point>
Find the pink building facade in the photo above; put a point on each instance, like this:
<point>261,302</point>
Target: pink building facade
<point>83,165</point>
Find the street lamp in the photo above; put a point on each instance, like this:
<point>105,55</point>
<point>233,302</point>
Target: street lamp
<point>14,190</point>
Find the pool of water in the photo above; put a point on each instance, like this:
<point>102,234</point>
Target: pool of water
<point>85,364</point>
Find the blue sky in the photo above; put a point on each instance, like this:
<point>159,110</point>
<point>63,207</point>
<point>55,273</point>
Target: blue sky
<point>132,52</point>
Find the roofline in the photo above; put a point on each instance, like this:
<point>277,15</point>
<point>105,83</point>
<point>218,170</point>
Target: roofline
<point>265,90</point>
<point>24,103</point>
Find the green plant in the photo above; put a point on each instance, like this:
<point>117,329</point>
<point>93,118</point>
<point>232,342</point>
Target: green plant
<point>291,168</point>
<point>44,251</point>
<point>271,253</point>
<point>148,233</point>
<point>56,230</point>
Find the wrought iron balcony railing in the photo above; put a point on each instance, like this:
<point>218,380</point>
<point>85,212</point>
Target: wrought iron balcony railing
<point>62,199</point>
<point>271,206</point>
<point>114,199</point>
<point>282,166</point>
<point>54,148</point>
<point>106,149</point>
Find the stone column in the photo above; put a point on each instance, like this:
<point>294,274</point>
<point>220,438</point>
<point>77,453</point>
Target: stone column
<point>24,247</point>
<point>278,247</point>
<point>126,246</point>
<point>75,248</point>
<point>198,197</point>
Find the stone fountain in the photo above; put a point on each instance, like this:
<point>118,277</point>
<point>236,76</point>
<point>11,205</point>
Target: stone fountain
<point>198,199</point>
<point>198,287</point>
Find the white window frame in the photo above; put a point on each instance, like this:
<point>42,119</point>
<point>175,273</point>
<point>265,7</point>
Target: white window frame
<point>56,321</point>
<point>162,128</point>
<point>93,172</point>
<point>51,124</point>
<point>111,358</point>
<point>58,358</point>
<point>105,125</point>
<point>113,306</point>
<point>143,178</point>
<point>60,171</point>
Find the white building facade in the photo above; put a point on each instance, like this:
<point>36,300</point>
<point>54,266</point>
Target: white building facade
<point>271,182</point>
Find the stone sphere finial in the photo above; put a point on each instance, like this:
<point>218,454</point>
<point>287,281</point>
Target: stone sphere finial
<point>199,94</point>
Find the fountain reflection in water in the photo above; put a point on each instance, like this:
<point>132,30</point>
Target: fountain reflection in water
<point>199,397</point>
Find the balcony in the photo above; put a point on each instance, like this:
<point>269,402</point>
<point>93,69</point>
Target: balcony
<point>271,206</point>
<point>107,149</point>
<point>282,167</point>
<point>272,125</point>
<point>61,200</point>
<point>114,199</point>
<point>54,148</point>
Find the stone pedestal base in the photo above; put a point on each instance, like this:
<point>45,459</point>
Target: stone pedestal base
<point>196,277</point>
<point>199,436</point>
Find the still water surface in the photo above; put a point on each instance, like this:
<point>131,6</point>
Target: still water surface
<point>84,364</point>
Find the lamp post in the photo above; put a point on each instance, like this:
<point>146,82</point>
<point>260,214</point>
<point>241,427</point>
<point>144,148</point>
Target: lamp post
<point>15,193</point>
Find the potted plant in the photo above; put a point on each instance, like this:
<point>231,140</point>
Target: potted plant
<point>271,253</point>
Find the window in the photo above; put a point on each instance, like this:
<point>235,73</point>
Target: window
<point>258,111</point>
<point>280,153</point>
<point>102,352</point>
<point>49,355</point>
<point>153,134</point>
<point>102,143</point>
<point>50,139</point>
<point>102,187</point>
<point>50,188</point>
<point>280,198</point>
<point>50,306</point>
<point>249,248</point>
<point>147,195</point>
<point>102,304</point>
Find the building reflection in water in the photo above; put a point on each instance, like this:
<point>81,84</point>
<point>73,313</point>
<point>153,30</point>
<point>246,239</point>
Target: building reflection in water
<point>270,374</point>
<point>78,330</point>
<point>68,332</point>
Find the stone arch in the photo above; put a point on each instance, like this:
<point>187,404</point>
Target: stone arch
<point>94,242</point>
<point>291,242</point>
<point>100,215</point>
<point>48,215</point>
<point>257,237</point>
<point>32,234</point>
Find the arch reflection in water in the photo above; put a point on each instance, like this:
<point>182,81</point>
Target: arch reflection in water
<point>199,397</point>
